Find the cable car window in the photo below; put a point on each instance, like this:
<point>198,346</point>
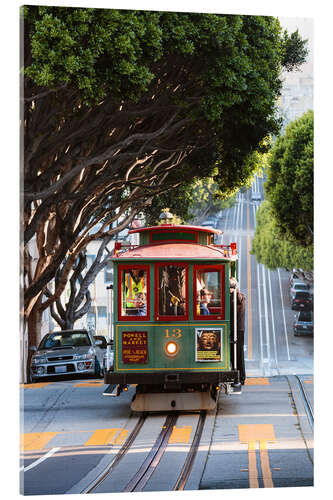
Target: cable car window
<point>172,290</point>
<point>209,292</point>
<point>134,292</point>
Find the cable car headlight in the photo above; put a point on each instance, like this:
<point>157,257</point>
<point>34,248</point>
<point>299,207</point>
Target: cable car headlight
<point>171,348</point>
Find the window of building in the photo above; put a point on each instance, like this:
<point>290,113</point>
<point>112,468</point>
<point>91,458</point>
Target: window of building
<point>171,291</point>
<point>209,292</point>
<point>133,289</point>
<point>108,272</point>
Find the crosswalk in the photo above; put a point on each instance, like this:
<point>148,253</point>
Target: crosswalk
<point>36,441</point>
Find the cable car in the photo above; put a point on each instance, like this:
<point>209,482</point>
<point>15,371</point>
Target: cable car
<point>171,336</point>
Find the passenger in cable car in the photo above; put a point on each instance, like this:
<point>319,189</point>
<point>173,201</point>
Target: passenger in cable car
<point>205,298</point>
<point>172,290</point>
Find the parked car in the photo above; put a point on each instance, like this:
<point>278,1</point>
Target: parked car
<point>68,352</point>
<point>301,300</point>
<point>297,286</point>
<point>210,222</point>
<point>256,196</point>
<point>303,323</point>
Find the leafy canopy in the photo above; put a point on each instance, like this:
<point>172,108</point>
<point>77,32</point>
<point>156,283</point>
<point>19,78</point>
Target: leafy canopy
<point>272,249</point>
<point>289,185</point>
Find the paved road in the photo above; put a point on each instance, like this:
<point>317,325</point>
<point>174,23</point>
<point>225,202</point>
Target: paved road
<point>261,439</point>
<point>270,345</point>
<point>71,434</point>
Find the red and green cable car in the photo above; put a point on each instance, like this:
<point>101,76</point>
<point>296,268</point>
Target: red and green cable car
<point>171,307</point>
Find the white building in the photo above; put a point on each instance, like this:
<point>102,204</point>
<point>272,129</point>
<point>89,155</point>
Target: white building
<point>297,91</point>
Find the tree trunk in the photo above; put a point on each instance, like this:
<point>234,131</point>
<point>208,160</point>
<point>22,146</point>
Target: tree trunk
<point>34,332</point>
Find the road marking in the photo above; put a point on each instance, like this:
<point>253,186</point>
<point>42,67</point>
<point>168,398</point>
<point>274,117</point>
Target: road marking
<point>265,467</point>
<point>250,434</point>
<point>253,471</point>
<point>249,301</point>
<point>257,381</point>
<point>37,385</point>
<point>284,318</point>
<point>89,384</point>
<point>41,459</point>
<point>102,437</point>
<point>180,434</point>
<point>36,440</point>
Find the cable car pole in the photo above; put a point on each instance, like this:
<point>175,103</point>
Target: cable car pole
<point>110,327</point>
<point>235,327</point>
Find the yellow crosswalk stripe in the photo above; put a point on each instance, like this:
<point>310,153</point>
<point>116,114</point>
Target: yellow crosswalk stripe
<point>36,440</point>
<point>106,436</point>
<point>37,385</point>
<point>89,384</point>
<point>257,381</point>
<point>180,434</point>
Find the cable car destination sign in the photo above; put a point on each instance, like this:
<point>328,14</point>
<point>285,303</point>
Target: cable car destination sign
<point>135,347</point>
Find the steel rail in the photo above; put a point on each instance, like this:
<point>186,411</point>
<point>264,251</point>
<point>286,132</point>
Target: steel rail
<point>123,450</point>
<point>187,467</point>
<point>140,479</point>
<point>307,404</point>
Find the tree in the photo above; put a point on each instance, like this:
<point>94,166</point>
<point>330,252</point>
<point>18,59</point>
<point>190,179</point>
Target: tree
<point>289,185</point>
<point>115,101</point>
<point>272,249</point>
<point>79,300</point>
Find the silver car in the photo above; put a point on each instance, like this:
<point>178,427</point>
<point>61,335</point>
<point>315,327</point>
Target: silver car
<point>68,352</point>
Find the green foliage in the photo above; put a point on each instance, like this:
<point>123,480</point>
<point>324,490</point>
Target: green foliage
<point>294,51</point>
<point>177,200</point>
<point>289,185</point>
<point>235,60</point>
<point>189,201</point>
<point>272,249</point>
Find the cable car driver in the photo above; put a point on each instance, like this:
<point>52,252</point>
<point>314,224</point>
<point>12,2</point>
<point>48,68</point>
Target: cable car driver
<point>135,283</point>
<point>241,302</point>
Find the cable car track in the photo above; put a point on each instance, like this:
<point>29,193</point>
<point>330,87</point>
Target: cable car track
<point>123,450</point>
<point>140,479</point>
<point>151,462</point>
<point>306,402</point>
<point>184,475</point>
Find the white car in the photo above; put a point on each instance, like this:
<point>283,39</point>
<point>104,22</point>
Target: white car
<point>256,196</point>
<point>68,352</point>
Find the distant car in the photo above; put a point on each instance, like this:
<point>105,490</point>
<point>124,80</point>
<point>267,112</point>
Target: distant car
<point>301,301</point>
<point>210,222</point>
<point>256,196</point>
<point>303,323</point>
<point>68,352</point>
<point>297,286</point>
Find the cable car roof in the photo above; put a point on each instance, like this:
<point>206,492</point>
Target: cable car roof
<point>171,251</point>
<point>168,227</point>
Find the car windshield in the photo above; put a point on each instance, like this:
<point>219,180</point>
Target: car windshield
<point>62,339</point>
<point>300,286</point>
<point>305,316</point>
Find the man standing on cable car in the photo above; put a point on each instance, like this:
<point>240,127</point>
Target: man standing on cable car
<point>241,302</point>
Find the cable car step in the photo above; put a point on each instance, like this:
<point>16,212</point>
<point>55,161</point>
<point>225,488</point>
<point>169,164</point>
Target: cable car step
<point>112,390</point>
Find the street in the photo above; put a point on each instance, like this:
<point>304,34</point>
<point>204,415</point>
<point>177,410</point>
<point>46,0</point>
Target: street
<point>75,440</point>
